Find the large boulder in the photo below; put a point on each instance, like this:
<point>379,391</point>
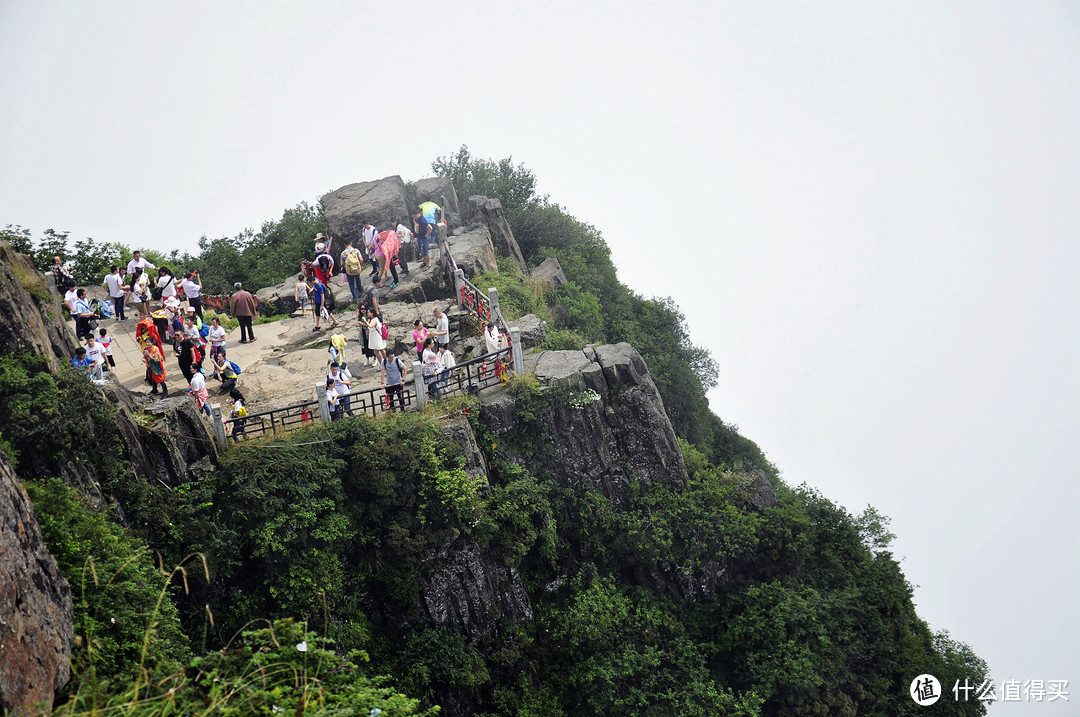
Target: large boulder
<point>489,212</point>
<point>473,252</point>
<point>441,191</point>
<point>549,271</point>
<point>37,628</point>
<point>383,202</point>
<point>533,330</point>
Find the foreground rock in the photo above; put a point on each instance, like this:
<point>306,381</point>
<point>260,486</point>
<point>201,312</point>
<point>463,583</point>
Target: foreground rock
<point>36,627</point>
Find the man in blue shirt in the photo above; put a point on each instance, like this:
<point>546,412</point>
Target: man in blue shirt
<point>425,233</point>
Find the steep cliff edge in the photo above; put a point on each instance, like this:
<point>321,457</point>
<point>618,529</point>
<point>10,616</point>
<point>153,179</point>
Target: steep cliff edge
<point>36,626</point>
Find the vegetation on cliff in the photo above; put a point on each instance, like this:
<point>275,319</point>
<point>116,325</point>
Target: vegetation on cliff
<point>696,598</point>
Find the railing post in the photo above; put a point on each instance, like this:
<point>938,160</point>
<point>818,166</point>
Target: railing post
<point>219,426</point>
<point>418,384</point>
<point>515,350</point>
<point>459,282</point>
<point>324,405</point>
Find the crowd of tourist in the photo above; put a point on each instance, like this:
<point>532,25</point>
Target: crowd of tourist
<point>169,312</point>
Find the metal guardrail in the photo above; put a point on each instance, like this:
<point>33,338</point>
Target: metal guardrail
<point>472,376</point>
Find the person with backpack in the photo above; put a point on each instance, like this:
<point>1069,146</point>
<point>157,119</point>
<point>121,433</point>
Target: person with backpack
<point>324,266</point>
<point>393,372</point>
<point>352,262</point>
<point>377,334</point>
<point>165,285</point>
<point>187,354</point>
<point>318,295</point>
<point>224,371</point>
<point>239,412</point>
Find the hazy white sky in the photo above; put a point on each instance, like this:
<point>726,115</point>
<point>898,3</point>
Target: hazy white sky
<point>869,212</point>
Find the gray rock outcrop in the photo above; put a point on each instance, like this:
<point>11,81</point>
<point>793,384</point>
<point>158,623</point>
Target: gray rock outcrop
<point>471,593</point>
<point>533,330</point>
<point>36,628</point>
<point>383,202</point>
<point>473,251</point>
<point>30,318</point>
<point>489,212</point>
<point>549,271</point>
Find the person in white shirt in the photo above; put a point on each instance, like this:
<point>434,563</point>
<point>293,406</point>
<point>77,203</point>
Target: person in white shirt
<point>217,338</point>
<point>404,237</point>
<point>96,353</point>
<point>70,297</point>
<point>332,399</point>
<point>166,283</point>
<point>492,340</point>
<point>139,262</point>
<point>139,285</point>
<point>192,284</point>
<point>447,362</point>
<point>114,282</point>
<point>342,385</point>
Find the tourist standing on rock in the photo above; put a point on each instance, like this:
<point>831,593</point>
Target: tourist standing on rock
<point>386,248</point>
<point>441,332</point>
<point>431,212</point>
<point>370,301</point>
<point>318,294</point>
<point>224,372</point>
<point>404,236</point>
<point>419,333</point>
<point>96,353</point>
<point>70,297</point>
<point>352,264</point>
<point>106,341</point>
<point>242,306</point>
<point>197,388</point>
<point>323,266</point>
<point>375,339</point>
<point>114,282</point>
<point>165,284</point>
<point>61,276</point>
<point>393,373</point>
<point>425,233</point>
<point>368,234</point>
<point>217,338</point>
<point>342,386</point>
<point>83,314</point>
<point>139,262</point>
<point>155,367</point>
<point>139,290</point>
<point>187,354</point>
<point>192,285</point>
<point>301,293</point>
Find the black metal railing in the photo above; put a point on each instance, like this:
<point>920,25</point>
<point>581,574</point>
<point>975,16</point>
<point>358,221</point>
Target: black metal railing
<point>373,401</point>
<point>264,423</point>
<point>472,376</point>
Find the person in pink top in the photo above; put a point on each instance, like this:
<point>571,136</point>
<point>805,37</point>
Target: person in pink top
<point>419,334</point>
<point>386,251</point>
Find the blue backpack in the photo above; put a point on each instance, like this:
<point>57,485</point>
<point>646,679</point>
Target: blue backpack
<point>234,367</point>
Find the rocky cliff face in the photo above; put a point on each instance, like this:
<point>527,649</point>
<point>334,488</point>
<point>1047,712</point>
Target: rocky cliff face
<point>36,625</point>
<point>609,430</point>
<point>489,212</point>
<point>30,316</point>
